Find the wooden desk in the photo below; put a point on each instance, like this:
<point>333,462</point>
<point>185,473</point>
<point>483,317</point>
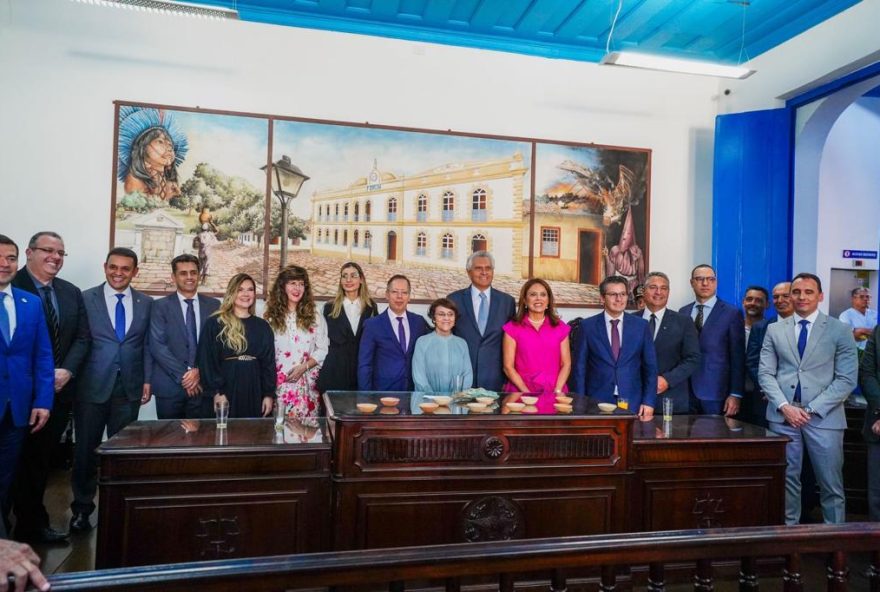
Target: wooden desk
<point>174,491</point>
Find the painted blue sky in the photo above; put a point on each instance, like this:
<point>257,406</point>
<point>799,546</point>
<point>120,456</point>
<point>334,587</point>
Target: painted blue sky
<point>547,172</point>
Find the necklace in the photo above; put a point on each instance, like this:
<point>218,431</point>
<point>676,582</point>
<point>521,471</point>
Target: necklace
<point>536,324</point>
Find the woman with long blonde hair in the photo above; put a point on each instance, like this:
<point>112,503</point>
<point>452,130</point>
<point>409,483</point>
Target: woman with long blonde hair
<point>345,316</point>
<point>236,355</point>
<point>300,341</point>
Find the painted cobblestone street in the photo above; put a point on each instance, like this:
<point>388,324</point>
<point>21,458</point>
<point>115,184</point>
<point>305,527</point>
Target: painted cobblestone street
<point>227,259</point>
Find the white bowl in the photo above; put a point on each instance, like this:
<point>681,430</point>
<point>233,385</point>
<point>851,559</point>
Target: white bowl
<point>607,407</point>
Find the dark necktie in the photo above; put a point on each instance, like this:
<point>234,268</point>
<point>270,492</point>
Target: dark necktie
<point>699,320</point>
<point>52,322</point>
<point>120,318</point>
<point>653,325</point>
<point>4,318</point>
<point>615,339</point>
<point>401,334</point>
<point>191,335</point>
<point>802,345</point>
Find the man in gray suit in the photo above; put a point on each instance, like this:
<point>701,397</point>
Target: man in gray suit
<point>808,369</point>
<point>175,326</point>
<point>115,380</point>
<point>483,311</point>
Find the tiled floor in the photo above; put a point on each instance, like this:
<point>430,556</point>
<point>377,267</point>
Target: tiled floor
<point>79,555</point>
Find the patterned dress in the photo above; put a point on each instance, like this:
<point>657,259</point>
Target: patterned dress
<point>294,346</point>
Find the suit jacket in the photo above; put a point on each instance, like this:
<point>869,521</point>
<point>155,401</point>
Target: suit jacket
<point>382,364</point>
<point>828,371</point>
<point>339,372</point>
<point>108,357</point>
<point>168,343</point>
<point>635,370</point>
<point>27,370</point>
<point>869,381</point>
<point>73,325</point>
<point>485,350</point>
<point>722,343</point>
<point>756,405</point>
<point>678,355</point>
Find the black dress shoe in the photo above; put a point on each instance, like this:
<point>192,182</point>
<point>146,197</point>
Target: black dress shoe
<point>50,535</point>
<point>79,522</point>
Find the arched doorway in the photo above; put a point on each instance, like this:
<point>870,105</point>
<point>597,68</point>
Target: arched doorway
<point>479,243</point>
<point>391,254</point>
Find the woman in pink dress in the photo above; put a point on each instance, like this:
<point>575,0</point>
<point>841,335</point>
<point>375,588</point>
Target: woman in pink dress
<point>537,357</point>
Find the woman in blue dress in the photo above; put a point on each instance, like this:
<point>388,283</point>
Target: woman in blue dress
<point>440,356</point>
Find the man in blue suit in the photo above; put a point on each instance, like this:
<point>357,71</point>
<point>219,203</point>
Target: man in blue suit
<point>484,310</point>
<point>718,384</point>
<point>115,380</point>
<point>175,326</point>
<point>27,369</point>
<point>388,342</point>
<point>755,404</point>
<point>614,358</point>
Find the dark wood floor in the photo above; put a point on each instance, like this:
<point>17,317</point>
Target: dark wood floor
<point>79,555</point>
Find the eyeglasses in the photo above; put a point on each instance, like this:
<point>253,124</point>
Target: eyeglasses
<point>48,251</point>
<point>350,276</point>
<point>651,288</point>
<point>297,284</point>
<point>616,294</point>
<point>704,279</point>
<point>444,315</point>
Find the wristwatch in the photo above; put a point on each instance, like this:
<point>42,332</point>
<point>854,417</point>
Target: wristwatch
<point>809,410</point>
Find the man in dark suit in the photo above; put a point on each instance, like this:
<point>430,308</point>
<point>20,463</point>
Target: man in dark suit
<point>115,380</point>
<point>869,381</point>
<point>175,326</point>
<point>27,372</point>
<point>717,385</point>
<point>69,334</point>
<point>754,409</point>
<point>614,358</point>
<point>388,342</point>
<point>484,310</point>
<point>675,340</point>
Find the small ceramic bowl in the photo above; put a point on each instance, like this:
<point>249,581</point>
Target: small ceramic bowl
<point>442,399</point>
<point>477,406</point>
<point>516,406</point>
<point>366,407</point>
<point>389,401</point>
<point>562,407</point>
<point>428,407</point>
<point>485,400</point>
<point>529,400</point>
<point>563,399</point>
<point>607,407</point>
<point>389,411</point>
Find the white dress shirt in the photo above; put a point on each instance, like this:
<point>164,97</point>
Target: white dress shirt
<point>183,308</point>
<point>608,319</point>
<point>797,324</point>
<point>9,305</point>
<point>110,300</point>
<point>353,311</point>
<point>393,318</point>
<point>475,300</point>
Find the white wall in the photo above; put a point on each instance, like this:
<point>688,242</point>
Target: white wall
<point>63,63</point>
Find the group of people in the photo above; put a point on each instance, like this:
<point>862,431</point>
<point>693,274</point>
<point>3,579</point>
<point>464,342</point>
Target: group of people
<point>104,352</point>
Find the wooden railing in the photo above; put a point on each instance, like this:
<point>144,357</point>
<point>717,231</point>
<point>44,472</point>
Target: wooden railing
<point>449,565</point>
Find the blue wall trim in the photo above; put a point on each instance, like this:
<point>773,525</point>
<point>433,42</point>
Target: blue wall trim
<point>751,219</point>
<point>834,86</point>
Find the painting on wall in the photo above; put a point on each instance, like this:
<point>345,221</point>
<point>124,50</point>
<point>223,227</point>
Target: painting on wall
<point>416,202</point>
<point>190,182</point>
<point>591,215</point>
<point>406,202</point>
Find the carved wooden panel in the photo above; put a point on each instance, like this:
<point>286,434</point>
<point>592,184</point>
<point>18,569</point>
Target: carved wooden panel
<point>561,447</point>
<point>421,449</point>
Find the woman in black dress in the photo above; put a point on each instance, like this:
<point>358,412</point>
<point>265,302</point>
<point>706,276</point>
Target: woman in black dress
<point>236,355</point>
<point>345,316</point>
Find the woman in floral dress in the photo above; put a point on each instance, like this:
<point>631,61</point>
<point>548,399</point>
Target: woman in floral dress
<point>300,341</point>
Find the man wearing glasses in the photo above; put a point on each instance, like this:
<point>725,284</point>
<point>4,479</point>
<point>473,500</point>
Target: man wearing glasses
<point>717,385</point>
<point>614,359</point>
<point>69,334</point>
<point>861,318</point>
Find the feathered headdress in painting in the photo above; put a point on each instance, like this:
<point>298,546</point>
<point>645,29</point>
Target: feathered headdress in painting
<point>134,121</point>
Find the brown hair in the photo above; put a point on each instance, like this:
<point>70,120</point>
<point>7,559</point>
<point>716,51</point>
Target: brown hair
<point>522,309</point>
<point>277,303</point>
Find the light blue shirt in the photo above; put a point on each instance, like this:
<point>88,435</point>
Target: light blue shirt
<point>857,320</point>
<point>437,360</point>
<point>707,308</point>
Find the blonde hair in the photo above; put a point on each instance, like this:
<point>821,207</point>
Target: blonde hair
<point>363,291</point>
<point>231,328</point>
<point>277,304</point>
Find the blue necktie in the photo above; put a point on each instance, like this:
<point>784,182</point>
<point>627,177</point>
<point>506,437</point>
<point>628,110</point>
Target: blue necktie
<point>191,336</point>
<point>802,345</point>
<point>401,333</point>
<point>482,313</point>
<point>4,318</point>
<point>120,318</point>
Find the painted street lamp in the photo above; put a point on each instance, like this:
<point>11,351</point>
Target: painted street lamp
<point>286,183</point>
